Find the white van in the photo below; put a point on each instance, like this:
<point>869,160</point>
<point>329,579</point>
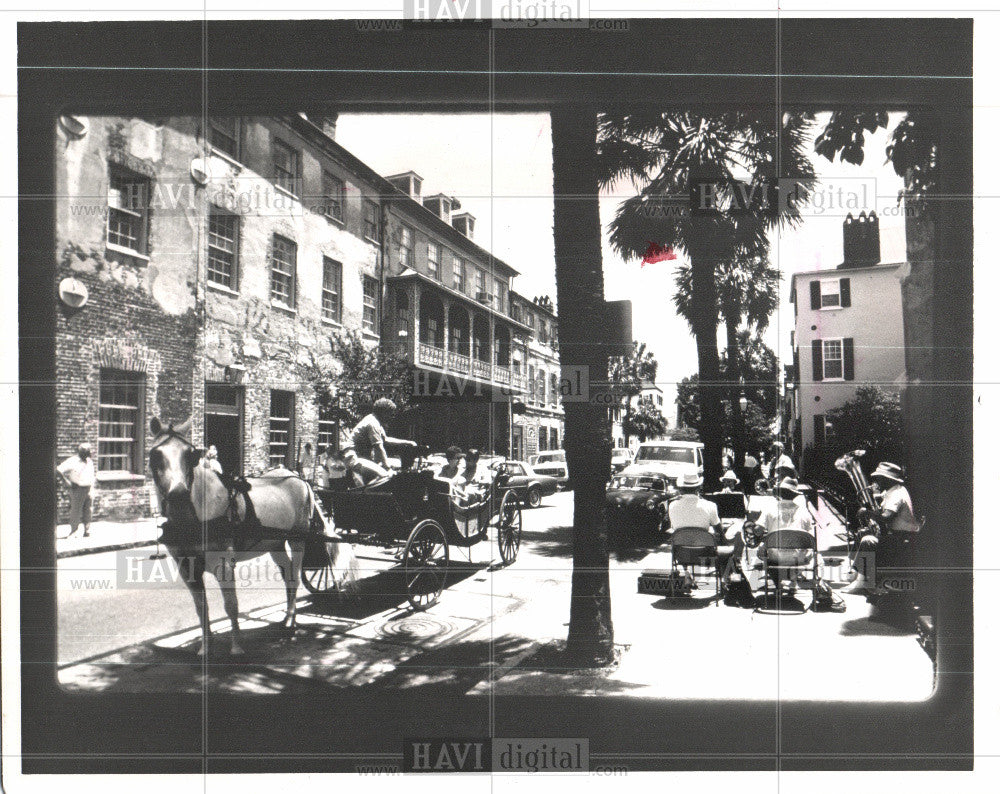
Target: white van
<point>673,458</point>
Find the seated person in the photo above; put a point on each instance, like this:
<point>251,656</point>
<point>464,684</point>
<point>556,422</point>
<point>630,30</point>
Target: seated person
<point>690,510</point>
<point>365,453</point>
<point>790,512</point>
<point>895,520</point>
<point>730,482</point>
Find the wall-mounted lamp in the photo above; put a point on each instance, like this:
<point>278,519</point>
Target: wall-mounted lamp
<point>234,373</point>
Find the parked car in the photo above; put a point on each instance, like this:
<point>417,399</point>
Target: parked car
<point>620,458</point>
<point>672,458</point>
<point>551,464</point>
<point>637,499</point>
<point>526,484</point>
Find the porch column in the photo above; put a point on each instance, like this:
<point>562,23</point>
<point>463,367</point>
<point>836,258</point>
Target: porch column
<point>416,324</point>
<point>472,331</point>
<point>445,335</point>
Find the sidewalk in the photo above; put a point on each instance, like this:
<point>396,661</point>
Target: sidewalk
<point>107,536</point>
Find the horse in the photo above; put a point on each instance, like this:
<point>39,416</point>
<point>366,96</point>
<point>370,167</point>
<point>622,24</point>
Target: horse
<point>195,501</point>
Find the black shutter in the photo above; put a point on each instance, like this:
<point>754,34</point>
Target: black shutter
<point>814,299</point>
<point>848,359</point>
<point>819,429</point>
<point>845,292</point>
<point>817,345</point>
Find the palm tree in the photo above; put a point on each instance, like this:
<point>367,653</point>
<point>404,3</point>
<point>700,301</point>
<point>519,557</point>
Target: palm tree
<point>748,292</point>
<point>628,373</point>
<point>580,296</point>
<point>718,160</point>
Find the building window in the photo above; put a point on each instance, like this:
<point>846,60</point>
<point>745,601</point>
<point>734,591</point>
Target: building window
<point>224,135</point>
<point>480,281</point>
<point>223,247</point>
<point>371,221</point>
<point>120,422</point>
<point>333,196</point>
<point>283,256</point>
<point>543,331</point>
<point>128,210</point>
<point>458,274</point>
<point>434,260</point>
<point>833,359</point>
<point>829,293</point>
<point>281,429</point>
<point>499,294</point>
<point>369,319</point>
<point>543,440</point>
<point>332,279</point>
<point>327,429</point>
<point>406,246</point>
<point>554,389</point>
<point>554,440</point>
<point>541,387</point>
<point>286,166</point>
<point>515,365</point>
<point>531,383</point>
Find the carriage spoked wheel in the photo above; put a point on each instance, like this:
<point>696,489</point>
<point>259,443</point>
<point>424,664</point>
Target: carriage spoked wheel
<point>509,528</point>
<point>425,564</point>
<point>317,573</point>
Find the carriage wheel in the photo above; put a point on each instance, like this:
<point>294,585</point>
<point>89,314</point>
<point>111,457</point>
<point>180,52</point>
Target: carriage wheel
<point>425,564</point>
<point>509,528</point>
<point>321,580</point>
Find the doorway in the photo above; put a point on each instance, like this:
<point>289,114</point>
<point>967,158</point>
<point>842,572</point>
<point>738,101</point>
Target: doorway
<point>224,424</point>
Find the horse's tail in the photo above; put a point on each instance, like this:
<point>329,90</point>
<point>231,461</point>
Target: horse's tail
<point>343,561</point>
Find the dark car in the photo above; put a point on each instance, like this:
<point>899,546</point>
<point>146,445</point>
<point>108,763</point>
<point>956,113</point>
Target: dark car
<point>637,499</point>
<point>528,486</point>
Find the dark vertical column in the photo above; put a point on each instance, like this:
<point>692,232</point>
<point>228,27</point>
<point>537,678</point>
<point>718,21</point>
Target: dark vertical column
<point>580,289</point>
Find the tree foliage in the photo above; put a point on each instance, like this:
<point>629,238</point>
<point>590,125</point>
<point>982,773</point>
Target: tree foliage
<point>627,374</point>
<point>644,421</point>
<point>356,374</point>
<point>872,421</point>
<point>912,147</point>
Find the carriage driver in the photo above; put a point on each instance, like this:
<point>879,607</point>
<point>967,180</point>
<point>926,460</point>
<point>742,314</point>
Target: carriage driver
<point>365,453</point>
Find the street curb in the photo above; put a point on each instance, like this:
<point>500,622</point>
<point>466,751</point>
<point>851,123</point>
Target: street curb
<point>101,549</point>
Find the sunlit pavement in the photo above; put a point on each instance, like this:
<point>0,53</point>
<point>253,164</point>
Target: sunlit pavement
<point>485,634</point>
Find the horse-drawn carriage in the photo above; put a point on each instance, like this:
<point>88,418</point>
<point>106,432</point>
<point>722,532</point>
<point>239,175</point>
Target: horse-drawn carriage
<point>420,516</point>
<point>212,520</point>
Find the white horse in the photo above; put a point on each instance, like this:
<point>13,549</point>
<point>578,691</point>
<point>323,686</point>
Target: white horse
<point>195,502</point>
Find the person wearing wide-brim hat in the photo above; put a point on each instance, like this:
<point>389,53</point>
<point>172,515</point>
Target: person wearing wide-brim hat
<point>690,510</point>
<point>730,482</point>
<point>895,518</point>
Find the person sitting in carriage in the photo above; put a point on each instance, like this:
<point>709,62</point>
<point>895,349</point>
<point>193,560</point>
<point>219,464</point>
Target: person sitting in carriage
<point>890,529</point>
<point>364,454</point>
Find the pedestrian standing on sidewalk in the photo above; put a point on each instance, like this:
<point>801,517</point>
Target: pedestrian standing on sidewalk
<point>77,471</point>
<point>307,463</point>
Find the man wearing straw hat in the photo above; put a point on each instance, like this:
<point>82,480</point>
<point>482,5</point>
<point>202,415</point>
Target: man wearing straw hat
<point>690,510</point>
<point>895,519</point>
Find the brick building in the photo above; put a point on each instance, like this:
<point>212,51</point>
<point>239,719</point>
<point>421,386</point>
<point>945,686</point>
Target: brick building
<point>218,258</point>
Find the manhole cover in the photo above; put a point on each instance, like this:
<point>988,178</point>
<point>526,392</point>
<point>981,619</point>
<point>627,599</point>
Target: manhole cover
<point>419,627</point>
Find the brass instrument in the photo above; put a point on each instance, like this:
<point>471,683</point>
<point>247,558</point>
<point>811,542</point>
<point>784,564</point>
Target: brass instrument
<point>850,464</point>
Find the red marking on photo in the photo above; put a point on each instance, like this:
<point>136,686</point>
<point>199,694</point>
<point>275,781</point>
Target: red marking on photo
<point>657,253</point>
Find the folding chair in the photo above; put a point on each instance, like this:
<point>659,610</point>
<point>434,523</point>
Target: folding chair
<point>788,553</point>
<point>690,546</point>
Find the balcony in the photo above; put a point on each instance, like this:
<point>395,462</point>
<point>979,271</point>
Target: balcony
<point>452,363</point>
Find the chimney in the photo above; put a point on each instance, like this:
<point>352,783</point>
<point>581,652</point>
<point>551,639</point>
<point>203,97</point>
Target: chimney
<point>408,182</point>
<point>441,205</point>
<point>465,222</point>
<point>862,244</point>
<point>329,125</point>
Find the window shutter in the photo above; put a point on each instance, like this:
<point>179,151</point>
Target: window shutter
<point>819,429</point>
<point>814,299</point>
<point>817,346</point>
<point>845,292</point>
<point>848,359</point>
